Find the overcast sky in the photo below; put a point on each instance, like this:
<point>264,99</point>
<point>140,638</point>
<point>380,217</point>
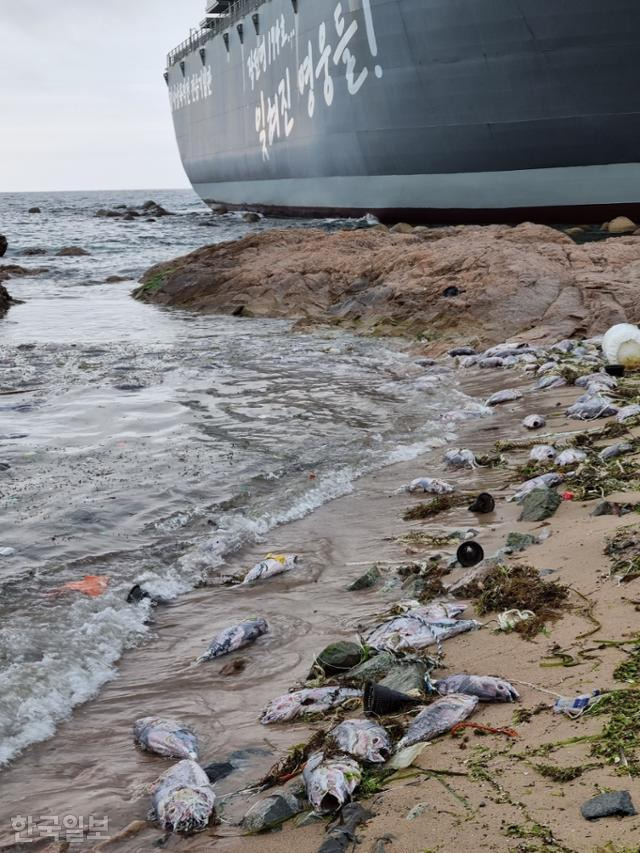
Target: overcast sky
<point>82,101</point>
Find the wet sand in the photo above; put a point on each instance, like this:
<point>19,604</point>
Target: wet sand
<point>91,766</point>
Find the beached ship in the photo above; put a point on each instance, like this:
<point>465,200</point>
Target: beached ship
<point>419,110</point>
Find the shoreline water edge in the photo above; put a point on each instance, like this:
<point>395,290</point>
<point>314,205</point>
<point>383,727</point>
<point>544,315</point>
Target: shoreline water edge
<point>394,583</point>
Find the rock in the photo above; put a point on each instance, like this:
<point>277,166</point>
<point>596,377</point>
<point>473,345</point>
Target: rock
<point>520,541</point>
<point>71,252</point>
<point>5,300</point>
<point>271,812</point>
<point>371,670</point>
<point>406,678</point>
<point>417,811</point>
<point>402,228</point>
<point>342,835</point>
<point>249,216</point>
<point>450,292</point>
<point>130,217</point>
<point>307,819</point>
<point>4,466</point>
<point>107,214</point>
<point>621,225</point>
<point>540,504</point>
<point>610,508</point>
<point>148,204</point>
<point>611,804</point>
<point>338,658</point>
<point>33,251</point>
<point>4,245</point>
<point>369,579</point>
<point>115,279</point>
<point>576,231</point>
<point>219,770</point>
<point>34,210</point>
<point>456,351</point>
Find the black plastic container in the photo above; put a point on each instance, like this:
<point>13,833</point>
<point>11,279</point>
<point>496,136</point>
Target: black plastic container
<point>380,701</point>
<point>614,369</point>
<point>483,504</point>
<point>470,554</point>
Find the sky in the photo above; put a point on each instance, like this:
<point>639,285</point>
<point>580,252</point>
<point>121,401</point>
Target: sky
<point>83,104</point>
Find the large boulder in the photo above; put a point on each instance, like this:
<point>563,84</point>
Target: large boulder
<point>72,252</point>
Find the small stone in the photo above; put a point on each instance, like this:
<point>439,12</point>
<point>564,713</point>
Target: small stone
<point>417,811</point>
<point>4,245</point>
<point>369,579</point>
<point>218,770</point>
<point>249,216</point>
<point>611,804</point>
<point>307,819</point>
<point>402,228</point>
<point>115,279</point>
<point>271,812</point>
<point>71,252</point>
<point>33,251</point>
<point>539,505</point>
<point>621,225</point>
<point>339,657</point>
<point>461,351</point>
<point>520,541</point>
<point>34,210</point>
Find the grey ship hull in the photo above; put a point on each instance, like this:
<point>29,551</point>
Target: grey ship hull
<point>445,110</point>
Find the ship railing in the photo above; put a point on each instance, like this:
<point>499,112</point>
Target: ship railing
<point>199,37</point>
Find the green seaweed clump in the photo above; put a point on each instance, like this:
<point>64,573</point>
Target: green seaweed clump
<point>619,741</point>
<point>624,550</point>
<point>596,479</point>
<point>521,588</point>
<point>629,669</point>
<point>427,509</point>
<point>559,774</point>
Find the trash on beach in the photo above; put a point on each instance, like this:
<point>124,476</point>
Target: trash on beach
<point>617,370</point>
<point>413,632</point>
<point>621,345</point>
<point>571,456</point>
<point>405,757</point>
<point>627,413</point>
<point>380,701</point>
<point>480,727</point>
<point>168,738</point>
<point>183,799</point>
<point>92,585</point>
<point>505,396</point>
<point>576,706</point>
<point>330,782</point>
<point>591,407</point>
<point>316,700</point>
<point>534,422</point>
<point>273,564</point>
<point>483,504</point>
<point>568,496</point>
<point>459,458</point>
<point>430,485</point>
<point>486,687</point>
<point>438,718</point>
<point>544,481</point>
<point>508,619</point>
<point>542,453</point>
<point>363,740</point>
<point>341,834</point>
<point>470,554</point>
<point>234,637</point>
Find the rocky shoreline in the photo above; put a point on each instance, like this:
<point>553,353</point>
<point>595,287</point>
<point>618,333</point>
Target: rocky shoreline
<point>441,287</point>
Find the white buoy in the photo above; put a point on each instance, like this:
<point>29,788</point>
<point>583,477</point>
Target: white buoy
<point>621,345</point>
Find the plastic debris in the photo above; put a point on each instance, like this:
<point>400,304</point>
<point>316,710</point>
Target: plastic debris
<point>168,738</point>
<point>482,728</point>
<point>577,705</point>
<point>621,345</point>
<point>469,554</point>
<point>92,585</point>
<point>405,757</point>
<point>183,799</point>
<point>430,485</point>
<point>568,496</point>
<point>273,564</point>
<point>234,637</point>
<point>379,701</point>
<point>609,804</point>
<point>330,782</point>
<point>508,619</point>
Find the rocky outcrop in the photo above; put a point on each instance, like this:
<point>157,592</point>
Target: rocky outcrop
<point>72,252</point>
<point>5,300</point>
<point>446,286</point>
<point>128,214</point>
<point>14,271</point>
<point>4,245</point>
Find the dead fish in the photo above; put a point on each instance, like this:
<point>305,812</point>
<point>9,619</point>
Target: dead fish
<point>505,396</point>
<point>590,407</point>
<point>438,718</point>
<point>534,422</point>
<point>363,739</point>
<point>491,361</point>
<point>615,450</point>
<point>412,631</point>
<point>628,412</point>
<point>459,458</point>
<point>485,687</point>
<point>504,350</point>
<point>547,366</point>
<point>571,456</point>
<point>309,701</point>
<point>544,481</point>
<point>542,453</point>
<point>183,799</point>
<point>430,485</point>
<point>468,361</point>
<point>168,738</point>
<point>330,782</point>
<point>433,611</point>
<point>273,564</point>
<point>551,381</point>
<point>234,637</point>
<point>602,379</point>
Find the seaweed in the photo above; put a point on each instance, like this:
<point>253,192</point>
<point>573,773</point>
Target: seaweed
<point>293,762</point>
<point>429,540</point>
<point>619,742</point>
<point>521,588</point>
<point>533,469</point>
<point>561,774</point>
<point>596,479</point>
<point>624,550</point>
<point>441,503</point>
<point>629,669</point>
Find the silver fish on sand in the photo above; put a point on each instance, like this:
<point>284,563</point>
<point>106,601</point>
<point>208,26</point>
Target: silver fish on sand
<point>433,611</point>
<point>273,564</point>
<point>550,381</point>
<point>315,700</point>
<point>589,407</point>
<point>330,782</point>
<point>165,737</point>
<point>438,718</point>
<point>627,413</point>
<point>413,632</point>
<point>234,637</point>
<point>534,422</point>
<point>615,450</point>
<point>362,739</point>
<point>544,481</point>
<point>602,379</point>
<point>459,458</point>
<point>485,687</point>
<point>183,799</point>
<point>430,485</point>
<point>570,456</point>
<point>542,453</point>
<point>505,396</point>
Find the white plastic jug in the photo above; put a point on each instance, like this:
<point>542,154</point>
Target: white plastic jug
<point>621,345</point>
